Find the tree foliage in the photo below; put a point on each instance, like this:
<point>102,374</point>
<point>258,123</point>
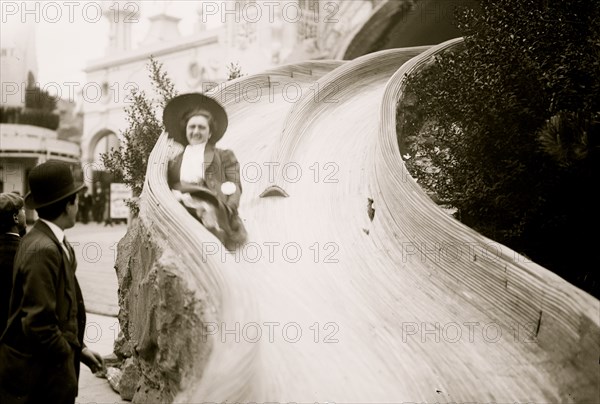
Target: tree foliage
<point>39,110</point>
<point>26,116</point>
<point>36,98</point>
<point>505,128</point>
<point>129,161</point>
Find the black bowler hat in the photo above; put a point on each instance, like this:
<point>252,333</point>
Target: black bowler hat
<point>184,106</point>
<point>50,182</point>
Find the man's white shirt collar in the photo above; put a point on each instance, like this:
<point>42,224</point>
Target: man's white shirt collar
<point>60,235</point>
<point>58,232</point>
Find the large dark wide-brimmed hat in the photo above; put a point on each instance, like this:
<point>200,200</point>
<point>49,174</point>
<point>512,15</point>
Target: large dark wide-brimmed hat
<point>180,107</point>
<point>50,182</point>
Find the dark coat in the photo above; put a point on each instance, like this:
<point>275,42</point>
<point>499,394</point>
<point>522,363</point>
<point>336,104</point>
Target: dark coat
<point>220,166</point>
<point>41,347</point>
<point>8,248</point>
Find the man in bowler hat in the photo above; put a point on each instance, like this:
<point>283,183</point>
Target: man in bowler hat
<point>42,345</point>
<point>12,227</point>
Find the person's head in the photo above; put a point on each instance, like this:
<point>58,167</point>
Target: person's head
<point>63,212</point>
<point>199,125</point>
<point>12,214</point>
<point>53,193</point>
<point>194,118</point>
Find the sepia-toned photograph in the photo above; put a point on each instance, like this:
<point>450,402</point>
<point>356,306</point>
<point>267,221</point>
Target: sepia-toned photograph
<point>299,201</point>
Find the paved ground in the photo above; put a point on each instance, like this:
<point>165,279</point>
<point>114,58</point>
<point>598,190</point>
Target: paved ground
<point>101,332</point>
<point>95,248</point>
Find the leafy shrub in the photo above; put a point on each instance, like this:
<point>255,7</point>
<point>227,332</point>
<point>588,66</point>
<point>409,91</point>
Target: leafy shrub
<point>505,128</point>
<point>129,161</point>
<point>36,98</point>
<point>38,111</point>
<point>39,118</point>
<point>35,117</point>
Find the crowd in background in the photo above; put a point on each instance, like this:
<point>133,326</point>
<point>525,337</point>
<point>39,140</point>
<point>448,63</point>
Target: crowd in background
<point>93,207</point>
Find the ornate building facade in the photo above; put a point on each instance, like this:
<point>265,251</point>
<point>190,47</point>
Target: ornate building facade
<point>255,34</point>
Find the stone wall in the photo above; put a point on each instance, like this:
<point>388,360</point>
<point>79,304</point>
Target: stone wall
<point>160,318</point>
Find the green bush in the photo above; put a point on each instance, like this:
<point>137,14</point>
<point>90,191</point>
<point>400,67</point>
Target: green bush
<point>35,117</point>
<point>39,118</point>
<point>9,114</point>
<point>128,163</point>
<point>505,128</point>
<point>36,98</point>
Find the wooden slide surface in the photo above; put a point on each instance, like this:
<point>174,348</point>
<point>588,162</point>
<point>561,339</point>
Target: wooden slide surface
<point>337,300</point>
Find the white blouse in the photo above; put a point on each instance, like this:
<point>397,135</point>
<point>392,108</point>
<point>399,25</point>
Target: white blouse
<point>192,164</point>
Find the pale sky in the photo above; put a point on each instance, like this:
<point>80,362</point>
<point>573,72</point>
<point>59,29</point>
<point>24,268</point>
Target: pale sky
<point>69,34</point>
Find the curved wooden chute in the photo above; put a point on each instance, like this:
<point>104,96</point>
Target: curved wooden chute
<point>357,287</point>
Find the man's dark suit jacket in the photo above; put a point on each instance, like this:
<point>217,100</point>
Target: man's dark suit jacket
<point>8,248</point>
<point>40,349</point>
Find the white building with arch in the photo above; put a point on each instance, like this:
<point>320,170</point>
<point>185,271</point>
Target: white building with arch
<point>256,34</point>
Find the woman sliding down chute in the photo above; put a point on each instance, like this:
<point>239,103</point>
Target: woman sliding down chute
<point>204,178</point>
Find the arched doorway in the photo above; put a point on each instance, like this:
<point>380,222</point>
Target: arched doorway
<point>98,179</point>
